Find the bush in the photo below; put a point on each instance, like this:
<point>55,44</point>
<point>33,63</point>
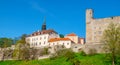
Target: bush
<point>92,51</point>
<point>75,62</point>
<point>83,53</point>
<point>45,51</point>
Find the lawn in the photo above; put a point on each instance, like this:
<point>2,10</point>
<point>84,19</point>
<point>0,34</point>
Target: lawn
<point>97,59</point>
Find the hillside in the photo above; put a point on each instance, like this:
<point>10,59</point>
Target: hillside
<point>97,59</point>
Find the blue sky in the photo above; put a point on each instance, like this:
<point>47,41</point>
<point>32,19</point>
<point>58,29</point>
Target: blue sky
<point>64,16</point>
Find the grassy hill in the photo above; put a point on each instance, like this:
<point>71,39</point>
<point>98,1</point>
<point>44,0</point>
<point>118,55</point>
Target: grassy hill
<point>97,59</point>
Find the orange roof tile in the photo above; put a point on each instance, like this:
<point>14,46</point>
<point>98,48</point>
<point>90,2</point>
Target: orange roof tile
<point>43,32</point>
<point>72,34</point>
<point>58,39</point>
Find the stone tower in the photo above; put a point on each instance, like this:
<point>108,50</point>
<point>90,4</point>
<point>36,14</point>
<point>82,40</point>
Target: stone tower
<point>89,18</point>
<point>44,24</point>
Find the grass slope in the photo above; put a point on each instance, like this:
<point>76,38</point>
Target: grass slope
<point>97,59</point>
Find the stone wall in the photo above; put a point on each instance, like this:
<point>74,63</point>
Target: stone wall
<point>96,27</point>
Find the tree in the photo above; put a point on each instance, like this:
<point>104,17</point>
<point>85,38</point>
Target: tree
<point>5,42</point>
<point>22,49</point>
<point>111,39</point>
<point>61,35</point>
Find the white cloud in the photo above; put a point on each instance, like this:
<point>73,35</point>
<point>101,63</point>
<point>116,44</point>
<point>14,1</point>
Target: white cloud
<point>36,6</point>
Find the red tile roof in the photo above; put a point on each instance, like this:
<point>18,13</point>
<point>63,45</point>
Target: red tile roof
<point>59,39</point>
<point>43,32</point>
<point>72,34</point>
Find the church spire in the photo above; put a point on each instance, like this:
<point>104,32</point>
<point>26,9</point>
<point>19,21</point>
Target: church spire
<point>44,24</point>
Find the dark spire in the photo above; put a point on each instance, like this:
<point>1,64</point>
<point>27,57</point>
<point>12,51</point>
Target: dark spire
<point>44,24</point>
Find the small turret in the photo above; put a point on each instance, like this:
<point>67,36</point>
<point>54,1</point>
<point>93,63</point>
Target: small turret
<point>89,15</point>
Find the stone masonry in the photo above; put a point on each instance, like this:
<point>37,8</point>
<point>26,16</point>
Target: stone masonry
<point>95,27</point>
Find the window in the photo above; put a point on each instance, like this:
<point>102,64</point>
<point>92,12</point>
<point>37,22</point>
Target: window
<point>67,43</point>
<point>94,32</point>
<point>36,43</point>
<point>44,37</point>
<point>44,42</point>
<point>75,46</point>
<point>39,43</point>
<point>63,43</point>
<point>95,38</point>
<point>100,32</point>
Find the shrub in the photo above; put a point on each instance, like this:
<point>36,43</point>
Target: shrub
<point>92,51</point>
<point>83,53</point>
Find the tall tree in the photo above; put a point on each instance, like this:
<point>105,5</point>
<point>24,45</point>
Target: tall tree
<point>111,39</point>
<point>21,51</point>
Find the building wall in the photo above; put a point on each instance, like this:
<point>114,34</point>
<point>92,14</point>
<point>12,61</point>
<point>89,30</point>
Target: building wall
<point>81,41</point>
<point>96,27</point>
<point>40,40</point>
<point>66,43</point>
<point>73,38</point>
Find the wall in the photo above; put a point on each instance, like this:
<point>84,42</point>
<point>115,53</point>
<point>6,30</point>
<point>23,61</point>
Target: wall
<point>66,43</point>
<point>96,27</point>
<point>73,38</point>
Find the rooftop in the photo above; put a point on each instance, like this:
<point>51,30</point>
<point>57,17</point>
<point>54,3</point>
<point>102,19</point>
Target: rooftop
<point>59,39</point>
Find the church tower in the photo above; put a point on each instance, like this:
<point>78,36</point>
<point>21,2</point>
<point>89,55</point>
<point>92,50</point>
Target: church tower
<point>44,25</point>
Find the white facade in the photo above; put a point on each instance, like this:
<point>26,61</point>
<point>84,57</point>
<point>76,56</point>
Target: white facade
<point>66,43</point>
<point>40,40</point>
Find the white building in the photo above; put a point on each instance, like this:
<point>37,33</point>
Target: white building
<point>66,42</point>
<point>40,38</point>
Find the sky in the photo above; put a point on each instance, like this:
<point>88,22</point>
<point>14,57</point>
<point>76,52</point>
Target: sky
<point>19,17</point>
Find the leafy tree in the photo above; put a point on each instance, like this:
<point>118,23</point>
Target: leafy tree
<point>21,51</point>
<point>111,39</point>
<point>61,35</point>
<point>5,42</point>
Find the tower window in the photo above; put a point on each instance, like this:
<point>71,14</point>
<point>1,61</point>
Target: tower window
<point>94,32</point>
<point>100,32</point>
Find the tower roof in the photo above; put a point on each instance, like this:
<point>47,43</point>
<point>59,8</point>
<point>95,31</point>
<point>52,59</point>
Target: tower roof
<point>44,24</point>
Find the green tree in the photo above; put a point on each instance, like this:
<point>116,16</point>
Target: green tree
<point>61,35</point>
<point>22,49</point>
<point>111,39</point>
<point>5,42</point>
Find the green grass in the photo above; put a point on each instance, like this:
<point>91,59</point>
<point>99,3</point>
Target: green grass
<point>97,59</point>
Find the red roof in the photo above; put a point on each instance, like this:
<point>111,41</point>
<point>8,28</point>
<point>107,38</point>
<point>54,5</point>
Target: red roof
<point>59,39</point>
<point>72,34</point>
<point>43,32</point>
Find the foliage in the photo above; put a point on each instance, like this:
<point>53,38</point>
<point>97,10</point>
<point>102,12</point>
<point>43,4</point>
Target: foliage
<point>97,59</point>
<point>61,35</point>
<point>45,51</point>
<point>21,51</point>
<point>83,53</point>
<point>111,39</point>
<point>5,42</point>
<point>68,54</point>
<point>92,51</point>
